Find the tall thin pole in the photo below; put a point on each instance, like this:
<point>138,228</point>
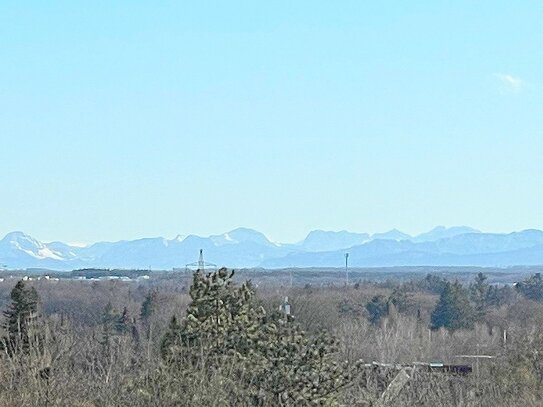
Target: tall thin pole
<point>201,263</point>
<point>347,268</point>
<point>477,365</point>
<point>291,279</point>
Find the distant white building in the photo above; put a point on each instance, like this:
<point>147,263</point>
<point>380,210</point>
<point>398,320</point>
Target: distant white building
<point>285,307</point>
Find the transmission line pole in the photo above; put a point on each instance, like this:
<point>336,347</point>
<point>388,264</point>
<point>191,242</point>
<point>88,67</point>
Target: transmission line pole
<point>347,268</point>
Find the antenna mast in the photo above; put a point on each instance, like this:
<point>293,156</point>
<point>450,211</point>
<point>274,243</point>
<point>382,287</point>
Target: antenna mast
<point>347,268</point>
<point>201,263</point>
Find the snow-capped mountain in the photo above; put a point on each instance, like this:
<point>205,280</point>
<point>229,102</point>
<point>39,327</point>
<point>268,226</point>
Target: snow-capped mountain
<point>393,234</point>
<point>475,249</point>
<point>25,251</point>
<point>442,232</point>
<point>244,247</point>
<point>241,235</point>
<point>321,240</point>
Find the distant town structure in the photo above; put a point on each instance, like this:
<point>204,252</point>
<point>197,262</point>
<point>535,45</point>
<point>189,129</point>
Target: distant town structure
<point>201,264</point>
<point>285,307</point>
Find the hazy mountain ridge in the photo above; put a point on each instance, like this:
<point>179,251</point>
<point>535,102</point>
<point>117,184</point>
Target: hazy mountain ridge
<point>243,247</point>
<point>323,240</point>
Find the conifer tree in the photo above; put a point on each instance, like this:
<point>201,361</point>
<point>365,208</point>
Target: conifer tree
<point>399,299</point>
<point>122,323</point>
<point>21,318</point>
<point>453,310</point>
<point>377,308</point>
<point>108,321</point>
<point>532,287</point>
<point>171,340</point>
<point>270,359</point>
<point>479,291</point>
<point>148,307</point>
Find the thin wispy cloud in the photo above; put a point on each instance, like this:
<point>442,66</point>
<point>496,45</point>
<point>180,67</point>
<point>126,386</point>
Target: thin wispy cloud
<point>509,82</point>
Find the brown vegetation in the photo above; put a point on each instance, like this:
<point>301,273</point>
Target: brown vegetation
<point>97,346</point>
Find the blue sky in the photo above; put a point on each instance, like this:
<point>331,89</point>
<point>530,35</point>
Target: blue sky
<point>127,119</point>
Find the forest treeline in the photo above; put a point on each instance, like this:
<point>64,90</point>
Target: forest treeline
<point>217,341</point>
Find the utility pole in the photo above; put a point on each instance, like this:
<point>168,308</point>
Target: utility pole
<point>477,358</point>
<point>477,364</point>
<point>291,279</point>
<point>347,268</point>
<point>201,263</point>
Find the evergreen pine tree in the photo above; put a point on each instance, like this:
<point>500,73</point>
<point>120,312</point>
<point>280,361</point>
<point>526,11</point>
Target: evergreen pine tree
<point>108,321</point>
<point>269,355</point>
<point>21,318</point>
<point>377,308</point>
<point>148,307</point>
<point>122,323</point>
<point>532,287</point>
<point>399,299</point>
<point>479,291</point>
<point>453,310</point>
<point>169,346</point>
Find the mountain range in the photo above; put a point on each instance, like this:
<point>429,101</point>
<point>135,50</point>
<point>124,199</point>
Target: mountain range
<point>242,247</point>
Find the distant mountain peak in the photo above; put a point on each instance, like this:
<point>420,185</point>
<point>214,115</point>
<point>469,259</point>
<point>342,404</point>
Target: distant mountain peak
<point>240,235</point>
<point>326,240</point>
<point>16,235</point>
<point>244,247</point>
<point>442,232</point>
<point>331,232</point>
<point>393,234</point>
<point>466,229</point>
<point>22,239</point>
<point>246,235</point>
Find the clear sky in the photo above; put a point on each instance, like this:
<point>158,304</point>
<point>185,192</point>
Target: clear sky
<point>124,119</point>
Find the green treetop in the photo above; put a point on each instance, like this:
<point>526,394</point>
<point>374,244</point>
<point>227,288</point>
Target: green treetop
<point>453,310</point>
